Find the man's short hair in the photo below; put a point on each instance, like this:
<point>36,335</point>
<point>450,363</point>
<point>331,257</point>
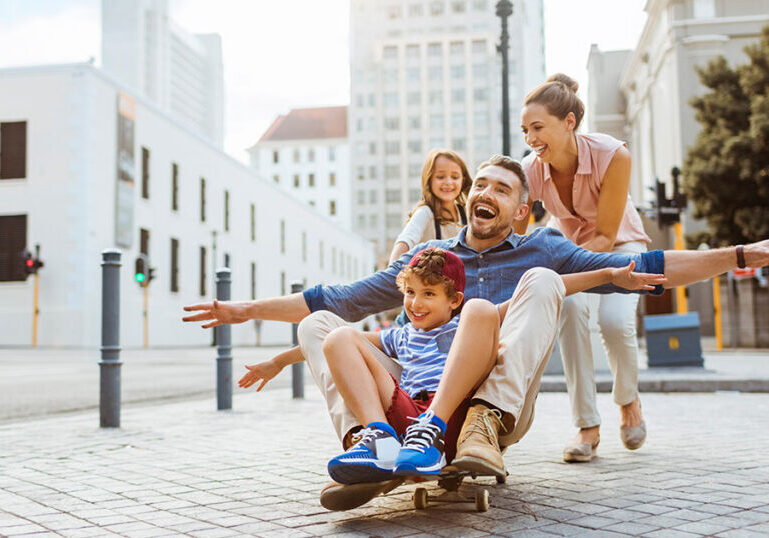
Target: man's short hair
<point>514,166</point>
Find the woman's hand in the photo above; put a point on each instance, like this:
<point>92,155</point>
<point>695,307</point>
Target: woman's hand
<point>624,277</point>
<point>263,371</point>
<point>221,313</point>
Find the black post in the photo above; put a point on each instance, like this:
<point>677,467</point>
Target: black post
<point>504,10</point>
<point>297,369</point>
<point>223,345</point>
<point>109,367</point>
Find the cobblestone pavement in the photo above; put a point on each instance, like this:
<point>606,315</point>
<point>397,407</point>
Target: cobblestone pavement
<point>184,468</point>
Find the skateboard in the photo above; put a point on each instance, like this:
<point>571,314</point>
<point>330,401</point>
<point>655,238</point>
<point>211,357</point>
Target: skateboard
<point>347,497</point>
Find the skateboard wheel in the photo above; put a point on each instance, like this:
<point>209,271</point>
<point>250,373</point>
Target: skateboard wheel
<point>420,499</point>
<point>482,500</point>
<point>501,479</point>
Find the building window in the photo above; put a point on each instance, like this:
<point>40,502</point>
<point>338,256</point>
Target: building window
<point>253,281</point>
<point>202,199</point>
<point>458,144</point>
<point>480,71</point>
<point>333,260</point>
<point>415,10</point>
<point>227,260</point>
<point>361,222</point>
<point>436,7</point>
<point>434,50</point>
<point>390,75</point>
<point>412,52</point>
<point>390,99</point>
<point>458,121</point>
<point>372,148</point>
<point>392,147</point>
<point>479,46</point>
<point>226,211</point>
<point>414,122</point>
<point>392,123</point>
<point>304,246</point>
<point>480,5</point>
<point>296,181</point>
<point>457,48</point>
<point>13,242</point>
<point>458,6</point>
<point>372,172</point>
<point>311,180</point>
<point>392,171</point>
<point>393,220</point>
<point>174,264</point>
<point>174,187</point>
<point>393,195</point>
<point>361,173</point>
<point>296,155</point>
<point>436,122</point>
<point>435,97</point>
<point>332,207</point>
<point>332,154</point>
<point>458,95</point>
<point>332,179</point>
<point>457,72</point>
<point>282,282</point>
<point>202,271</point>
<point>13,150</point>
<point>361,197</point>
<point>253,223</point>
<point>414,195</point>
<point>413,98</point>
<point>282,236</point>
<point>372,197</point>
<point>145,173</point>
<point>393,12</point>
<point>144,241</point>
<point>311,155</point>
<point>275,157</point>
<point>320,255</point>
<point>415,169</point>
<point>276,178</point>
<point>373,221</point>
<point>415,146</point>
<point>480,94</point>
<point>390,53</point>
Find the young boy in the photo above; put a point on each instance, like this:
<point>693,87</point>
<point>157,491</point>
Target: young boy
<point>432,285</point>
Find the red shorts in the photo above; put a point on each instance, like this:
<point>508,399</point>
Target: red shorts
<point>403,406</point>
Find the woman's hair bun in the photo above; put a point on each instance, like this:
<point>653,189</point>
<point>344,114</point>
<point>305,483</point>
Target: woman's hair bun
<point>566,80</point>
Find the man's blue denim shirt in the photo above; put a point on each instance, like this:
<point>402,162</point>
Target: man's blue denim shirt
<point>491,274</point>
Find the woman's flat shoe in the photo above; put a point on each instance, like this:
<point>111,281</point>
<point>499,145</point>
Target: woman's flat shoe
<point>580,452</point>
<point>633,436</point>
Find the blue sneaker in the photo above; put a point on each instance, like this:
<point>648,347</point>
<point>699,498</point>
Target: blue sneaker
<point>423,450</point>
<point>369,460</point>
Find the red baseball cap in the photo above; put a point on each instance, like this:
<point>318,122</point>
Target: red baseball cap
<point>453,268</point>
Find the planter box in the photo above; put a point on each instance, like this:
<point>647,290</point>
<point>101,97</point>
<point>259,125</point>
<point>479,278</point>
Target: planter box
<point>745,313</point>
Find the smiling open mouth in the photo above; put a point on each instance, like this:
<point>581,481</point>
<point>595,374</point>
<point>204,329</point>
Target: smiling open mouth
<point>484,212</point>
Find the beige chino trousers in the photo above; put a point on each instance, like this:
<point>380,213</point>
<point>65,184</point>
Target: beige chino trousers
<point>617,322</point>
<point>526,337</point>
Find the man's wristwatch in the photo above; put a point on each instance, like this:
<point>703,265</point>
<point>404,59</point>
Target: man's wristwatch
<point>740,257</point>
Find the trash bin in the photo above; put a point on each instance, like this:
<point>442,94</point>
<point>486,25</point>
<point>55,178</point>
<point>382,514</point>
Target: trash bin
<point>673,340</point>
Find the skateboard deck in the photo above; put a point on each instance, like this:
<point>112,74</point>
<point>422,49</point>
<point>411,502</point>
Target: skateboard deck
<point>346,497</point>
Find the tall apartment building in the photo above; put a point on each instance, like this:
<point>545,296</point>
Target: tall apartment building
<point>426,74</point>
<point>179,72</point>
<point>306,152</point>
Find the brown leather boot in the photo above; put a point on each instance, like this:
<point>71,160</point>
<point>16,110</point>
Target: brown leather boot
<point>478,445</point>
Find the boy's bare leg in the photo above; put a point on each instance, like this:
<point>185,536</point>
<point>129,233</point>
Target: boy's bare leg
<point>363,382</point>
<point>471,358</point>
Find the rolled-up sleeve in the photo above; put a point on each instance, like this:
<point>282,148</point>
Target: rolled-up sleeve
<point>569,258</point>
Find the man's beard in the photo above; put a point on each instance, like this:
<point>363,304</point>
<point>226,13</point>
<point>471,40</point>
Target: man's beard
<point>495,230</point>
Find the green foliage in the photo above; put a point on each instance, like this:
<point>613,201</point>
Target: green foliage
<point>726,173</point>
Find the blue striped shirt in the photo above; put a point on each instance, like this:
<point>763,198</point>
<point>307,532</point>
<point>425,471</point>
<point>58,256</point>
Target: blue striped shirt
<point>421,353</point>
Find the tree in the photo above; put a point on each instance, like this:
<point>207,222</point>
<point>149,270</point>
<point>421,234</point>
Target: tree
<point>726,172</point>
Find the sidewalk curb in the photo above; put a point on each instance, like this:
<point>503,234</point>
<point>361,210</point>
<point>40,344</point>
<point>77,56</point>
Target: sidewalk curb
<point>555,383</point>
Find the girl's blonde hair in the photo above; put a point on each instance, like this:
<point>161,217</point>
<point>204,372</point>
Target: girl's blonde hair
<point>428,198</point>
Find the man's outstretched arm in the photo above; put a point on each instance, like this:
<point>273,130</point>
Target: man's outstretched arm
<point>684,267</point>
<point>291,308</point>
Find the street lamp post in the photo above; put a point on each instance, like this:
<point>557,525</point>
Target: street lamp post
<point>504,10</point>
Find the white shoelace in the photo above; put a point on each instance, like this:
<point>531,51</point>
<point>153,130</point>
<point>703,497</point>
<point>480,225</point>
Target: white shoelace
<point>364,436</point>
<point>420,435</point>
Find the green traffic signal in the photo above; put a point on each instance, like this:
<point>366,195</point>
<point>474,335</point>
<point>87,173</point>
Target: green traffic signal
<point>139,277</point>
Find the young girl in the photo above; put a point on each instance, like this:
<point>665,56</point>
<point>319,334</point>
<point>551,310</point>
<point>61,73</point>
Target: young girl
<point>440,214</point>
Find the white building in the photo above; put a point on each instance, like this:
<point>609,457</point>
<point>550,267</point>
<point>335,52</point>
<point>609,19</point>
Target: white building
<point>650,90</point>
<point>73,184</point>
<point>306,153</point>
<point>179,72</point>
<point>426,74</point>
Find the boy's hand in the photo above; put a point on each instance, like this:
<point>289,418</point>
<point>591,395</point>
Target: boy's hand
<point>221,312</point>
<point>264,370</point>
<point>624,277</point>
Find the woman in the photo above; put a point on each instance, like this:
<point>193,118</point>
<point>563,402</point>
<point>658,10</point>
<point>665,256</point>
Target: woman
<point>583,181</point>
<point>440,213</point>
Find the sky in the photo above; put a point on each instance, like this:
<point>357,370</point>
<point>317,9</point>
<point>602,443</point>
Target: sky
<point>288,54</point>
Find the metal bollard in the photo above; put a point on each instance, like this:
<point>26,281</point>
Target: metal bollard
<point>224,345</point>
<point>109,367</point>
<point>297,369</point>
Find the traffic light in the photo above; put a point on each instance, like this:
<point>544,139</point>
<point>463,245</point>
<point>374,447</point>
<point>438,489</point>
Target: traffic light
<point>151,275</point>
<point>28,264</point>
<point>141,270</point>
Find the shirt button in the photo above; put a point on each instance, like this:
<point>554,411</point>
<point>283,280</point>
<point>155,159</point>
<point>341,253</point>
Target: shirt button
<point>481,279</point>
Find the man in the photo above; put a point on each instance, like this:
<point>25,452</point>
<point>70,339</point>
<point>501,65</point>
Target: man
<point>495,261</point>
